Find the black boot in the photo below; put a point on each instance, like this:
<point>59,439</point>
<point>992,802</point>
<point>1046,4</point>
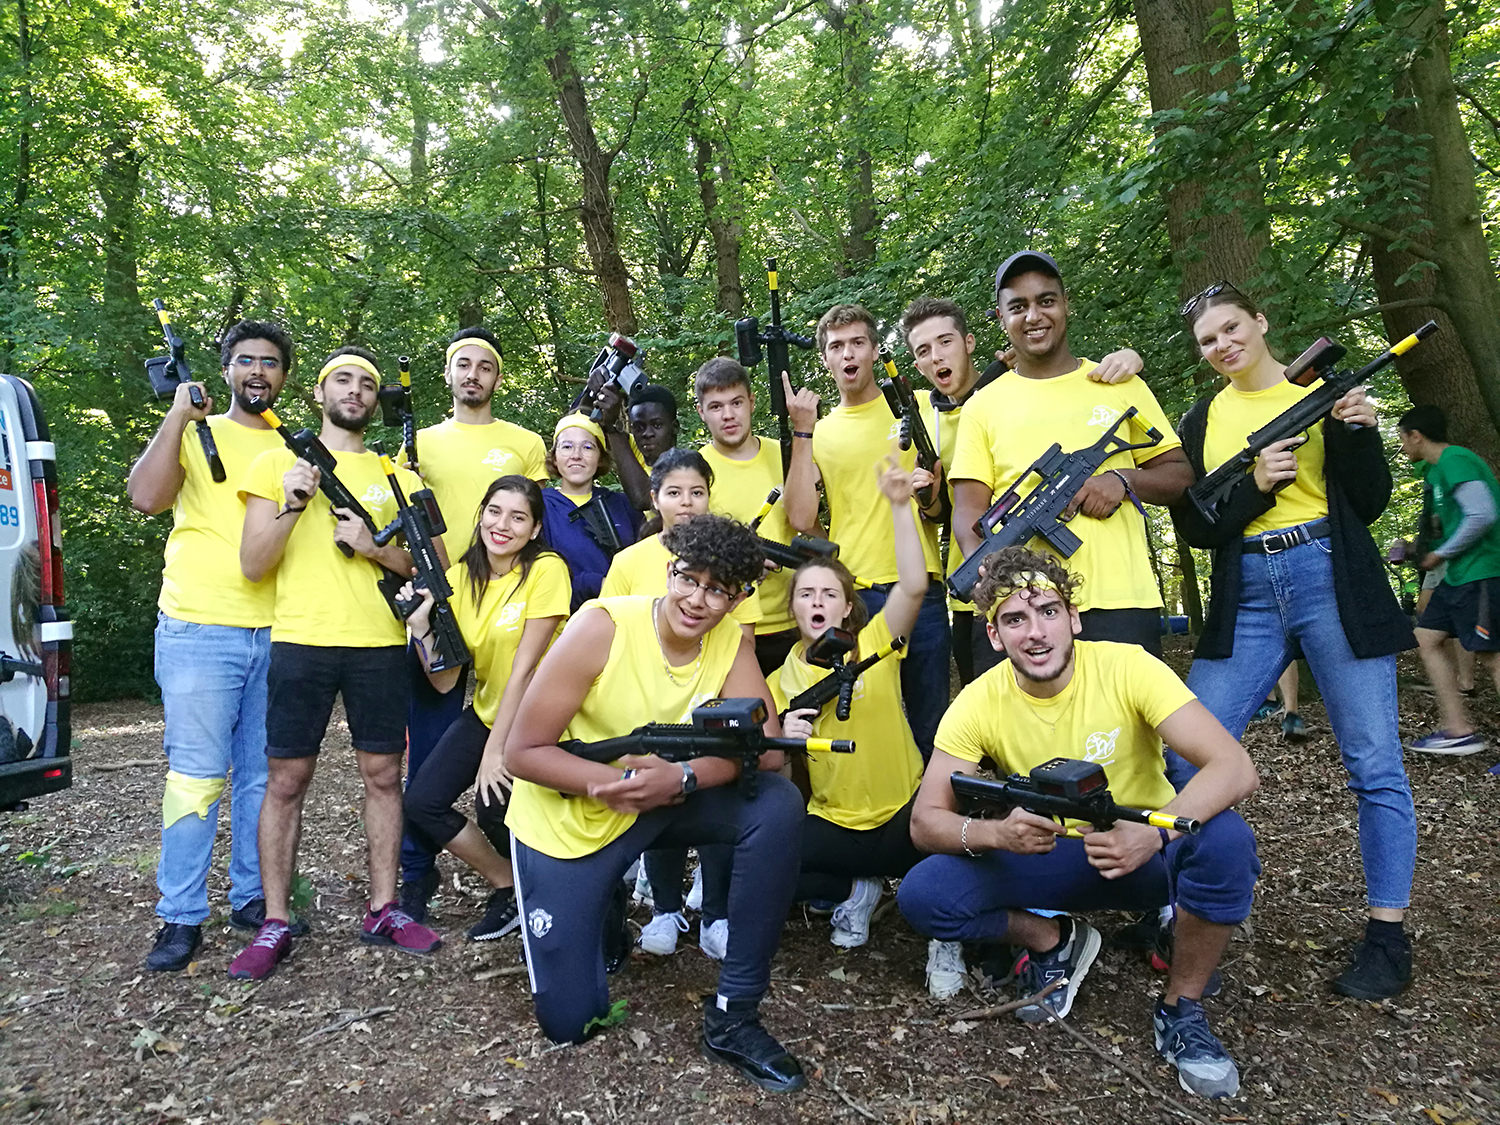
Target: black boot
<point>1381,966</point>
<point>736,1037</point>
<point>617,940</point>
<point>176,942</point>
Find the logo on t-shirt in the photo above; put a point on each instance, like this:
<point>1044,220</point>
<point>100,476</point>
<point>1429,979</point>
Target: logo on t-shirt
<point>1100,747</point>
<point>498,458</point>
<point>1103,416</point>
<point>894,433</point>
<point>376,495</point>
<point>509,615</point>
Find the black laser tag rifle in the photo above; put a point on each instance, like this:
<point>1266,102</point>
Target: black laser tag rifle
<point>1013,521</point>
<point>618,365</point>
<point>829,651</point>
<point>721,728</point>
<point>1062,789</point>
<point>419,522</point>
<point>167,373</point>
<point>748,339</point>
<point>802,548</point>
<point>1210,494</point>
<point>396,409</point>
<point>903,405</point>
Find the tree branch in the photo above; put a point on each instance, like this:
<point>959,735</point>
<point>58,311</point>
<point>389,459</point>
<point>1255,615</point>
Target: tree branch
<point>1433,302</point>
<point>1468,96</point>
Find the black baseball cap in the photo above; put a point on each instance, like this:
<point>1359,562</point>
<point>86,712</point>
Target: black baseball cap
<point>1024,261</point>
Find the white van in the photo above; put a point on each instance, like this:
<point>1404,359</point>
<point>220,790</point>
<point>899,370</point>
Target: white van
<point>35,633</point>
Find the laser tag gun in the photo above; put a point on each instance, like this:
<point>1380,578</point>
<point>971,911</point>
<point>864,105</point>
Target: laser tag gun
<point>617,365</point>
<point>1210,495</point>
<point>167,373</point>
<point>721,728</point>
<point>1062,789</point>
<point>748,339</point>
<point>597,525</point>
<point>829,651</point>
<point>307,446</point>
<point>396,410</point>
<point>419,522</point>
<point>1014,521</point>
<point>903,405</point>
<point>803,548</point>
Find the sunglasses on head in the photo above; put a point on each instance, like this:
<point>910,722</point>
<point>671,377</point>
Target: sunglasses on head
<point>1208,294</point>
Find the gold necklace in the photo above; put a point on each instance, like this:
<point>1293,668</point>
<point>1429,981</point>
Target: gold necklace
<point>662,651</point>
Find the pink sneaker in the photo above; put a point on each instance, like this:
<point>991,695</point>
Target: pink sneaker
<point>258,960</point>
<point>390,925</point>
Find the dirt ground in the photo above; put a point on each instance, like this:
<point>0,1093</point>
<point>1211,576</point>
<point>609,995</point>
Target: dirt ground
<point>344,1033</point>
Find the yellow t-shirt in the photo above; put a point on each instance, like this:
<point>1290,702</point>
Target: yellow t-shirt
<point>740,489</point>
<point>1108,713</point>
<point>864,789</point>
<point>633,689</point>
<point>322,598</point>
<point>1012,422</point>
<point>943,426</point>
<point>458,461</point>
<point>202,581</point>
<point>847,447</point>
<point>492,628</point>
<point>641,568</point>
<point>1233,416</point>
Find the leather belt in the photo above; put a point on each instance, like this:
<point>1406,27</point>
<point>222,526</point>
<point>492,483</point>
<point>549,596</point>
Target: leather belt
<point>1274,542</point>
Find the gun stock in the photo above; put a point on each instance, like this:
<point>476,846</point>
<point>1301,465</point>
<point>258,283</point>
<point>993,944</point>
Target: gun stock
<point>171,371</point>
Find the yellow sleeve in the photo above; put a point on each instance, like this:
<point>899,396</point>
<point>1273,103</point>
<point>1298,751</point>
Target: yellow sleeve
<point>616,579</point>
<point>554,588</point>
<point>1156,690</point>
<point>535,461</point>
<point>778,693</point>
<point>263,477</point>
<point>1150,412</point>
<point>960,731</point>
<point>971,449</point>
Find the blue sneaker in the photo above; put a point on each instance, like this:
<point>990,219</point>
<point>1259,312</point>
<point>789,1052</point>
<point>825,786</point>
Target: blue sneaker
<point>1068,964</point>
<point>1267,710</point>
<point>1184,1040</point>
<point>1441,742</point>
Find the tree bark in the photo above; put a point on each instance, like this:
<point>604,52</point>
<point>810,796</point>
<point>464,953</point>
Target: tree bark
<point>13,221</point>
<point>852,22</point>
<point>124,315</point>
<point>713,164</point>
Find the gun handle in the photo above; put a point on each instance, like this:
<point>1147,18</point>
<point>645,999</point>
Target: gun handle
<point>210,447</point>
<point>846,700</point>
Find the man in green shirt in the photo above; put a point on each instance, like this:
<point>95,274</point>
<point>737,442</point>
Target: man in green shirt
<point>1466,604</point>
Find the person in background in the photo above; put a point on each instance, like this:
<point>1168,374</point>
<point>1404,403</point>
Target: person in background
<point>586,523</point>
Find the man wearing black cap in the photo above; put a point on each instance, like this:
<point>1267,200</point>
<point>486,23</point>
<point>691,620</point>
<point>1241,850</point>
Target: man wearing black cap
<point>1048,398</point>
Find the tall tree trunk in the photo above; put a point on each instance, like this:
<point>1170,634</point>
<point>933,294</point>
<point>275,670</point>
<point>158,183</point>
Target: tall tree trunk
<point>853,25</point>
<point>123,316</point>
<point>13,221</point>
<point>714,165</point>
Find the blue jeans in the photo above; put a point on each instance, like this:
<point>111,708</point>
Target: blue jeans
<point>1286,606</point>
<point>924,669</point>
<point>213,689</point>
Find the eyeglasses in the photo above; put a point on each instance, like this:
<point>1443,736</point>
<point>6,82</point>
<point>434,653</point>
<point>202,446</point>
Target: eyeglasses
<point>267,363</point>
<point>716,596</point>
<point>1206,295</point>
<point>576,447</point>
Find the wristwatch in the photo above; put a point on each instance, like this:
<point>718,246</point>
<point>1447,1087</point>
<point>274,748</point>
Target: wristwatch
<point>689,779</point>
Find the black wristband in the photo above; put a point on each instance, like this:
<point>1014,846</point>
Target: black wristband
<point>801,433</point>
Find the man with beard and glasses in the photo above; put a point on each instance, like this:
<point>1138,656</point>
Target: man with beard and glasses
<point>458,459</point>
<point>333,634</point>
<point>213,642</point>
<point>1095,701</point>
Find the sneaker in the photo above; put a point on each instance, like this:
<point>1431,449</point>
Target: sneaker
<point>258,960</point>
<point>501,915</point>
<point>1141,933</point>
<point>1441,742</point>
<point>945,969</point>
<point>694,900</point>
<point>1379,969</point>
<point>1184,1040</point>
<point>390,925</point>
<point>737,1038</point>
<point>713,938</point>
<point>851,918</point>
<point>1161,961</point>
<point>659,936</point>
<point>617,942</point>
<point>822,907</point>
<point>252,916</point>
<point>176,942</point>
<point>1293,729</point>
<point>1069,963</point>
<point>642,892</point>
<point>1267,710</point>
<point>415,894</point>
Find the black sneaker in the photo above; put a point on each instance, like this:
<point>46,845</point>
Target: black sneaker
<point>1380,969</point>
<point>176,942</point>
<point>1069,963</point>
<point>252,916</point>
<point>413,898</point>
<point>501,915</point>
<point>736,1037</point>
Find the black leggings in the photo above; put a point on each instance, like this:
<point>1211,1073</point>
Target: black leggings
<point>833,856</point>
<point>442,779</point>
<point>564,901</point>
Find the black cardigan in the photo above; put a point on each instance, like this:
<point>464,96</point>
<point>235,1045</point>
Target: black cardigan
<point>1358,480</point>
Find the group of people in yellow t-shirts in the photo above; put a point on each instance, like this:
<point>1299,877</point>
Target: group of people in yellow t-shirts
<point>584,623</point>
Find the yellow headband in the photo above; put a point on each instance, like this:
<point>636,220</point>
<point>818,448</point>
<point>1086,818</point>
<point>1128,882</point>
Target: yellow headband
<point>582,422</point>
<point>347,360</point>
<point>1025,580</point>
<point>471,342</point>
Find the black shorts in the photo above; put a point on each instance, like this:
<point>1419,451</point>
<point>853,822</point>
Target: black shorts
<point>1468,612</point>
<point>302,684</point>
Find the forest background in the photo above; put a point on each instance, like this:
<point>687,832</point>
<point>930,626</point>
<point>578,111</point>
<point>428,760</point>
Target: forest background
<point>382,173</point>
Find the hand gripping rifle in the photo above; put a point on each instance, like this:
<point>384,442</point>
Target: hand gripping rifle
<point>1210,494</point>
<point>828,651</point>
<point>1062,789</point>
<point>419,522</point>
<point>903,405</point>
<point>748,339</point>
<point>396,409</point>
<point>167,373</point>
<point>803,548</point>
<point>618,365</point>
<point>1014,521</point>
<point>720,728</point>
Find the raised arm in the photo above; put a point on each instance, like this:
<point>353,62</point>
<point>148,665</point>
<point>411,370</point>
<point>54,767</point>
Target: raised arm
<point>801,494</point>
<point>905,599</point>
<point>156,478</point>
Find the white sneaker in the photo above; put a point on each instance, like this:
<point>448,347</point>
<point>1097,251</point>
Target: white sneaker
<point>714,939</point>
<point>851,918</point>
<point>642,893</point>
<point>659,936</point>
<point>945,969</point>
<point>694,900</point>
